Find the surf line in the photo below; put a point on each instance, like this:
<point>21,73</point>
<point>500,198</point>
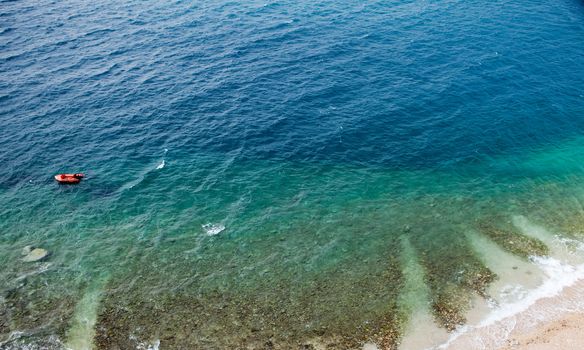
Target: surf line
<point>163,163</point>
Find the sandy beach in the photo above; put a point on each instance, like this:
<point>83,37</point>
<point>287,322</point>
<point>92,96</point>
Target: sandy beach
<point>563,333</point>
<point>554,322</point>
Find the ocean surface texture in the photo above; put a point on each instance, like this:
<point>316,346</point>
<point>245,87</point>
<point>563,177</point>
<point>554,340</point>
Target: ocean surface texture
<point>285,174</point>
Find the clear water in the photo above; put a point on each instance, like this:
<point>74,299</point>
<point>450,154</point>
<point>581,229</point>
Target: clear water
<point>278,174</point>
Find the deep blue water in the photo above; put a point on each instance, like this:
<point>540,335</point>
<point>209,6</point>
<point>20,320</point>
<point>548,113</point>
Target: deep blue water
<point>398,84</point>
<point>289,118</point>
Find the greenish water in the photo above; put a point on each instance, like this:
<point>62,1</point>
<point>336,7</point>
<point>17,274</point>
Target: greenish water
<point>283,174</point>
<point>295,264</point>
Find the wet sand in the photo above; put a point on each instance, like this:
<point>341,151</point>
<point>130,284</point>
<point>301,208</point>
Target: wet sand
<point>564,333</point>
<point>554,322</point>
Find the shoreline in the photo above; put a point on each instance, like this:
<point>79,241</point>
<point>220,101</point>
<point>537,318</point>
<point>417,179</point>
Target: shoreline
<point>563,333</point>
<point>552,322</point>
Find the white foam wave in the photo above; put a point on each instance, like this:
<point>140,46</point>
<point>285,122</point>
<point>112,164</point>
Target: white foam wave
<point>155,346</point>
<point>559,276</point>
<point>42,268</point>
<point>142,345</point>
<point>213,229</point>
<point>14,335</point>
<point>142,176</point>
<point>511,293</point>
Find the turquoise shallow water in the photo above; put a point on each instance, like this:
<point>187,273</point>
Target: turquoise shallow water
<point>277,174</point>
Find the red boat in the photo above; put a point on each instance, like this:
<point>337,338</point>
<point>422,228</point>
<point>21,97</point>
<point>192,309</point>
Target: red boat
<point>69,178</point>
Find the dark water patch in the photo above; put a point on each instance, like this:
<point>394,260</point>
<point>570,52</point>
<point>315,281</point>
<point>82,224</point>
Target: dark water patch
<point>506,235</point>
<point>452,282</point>
<point>221,320</point>
<point>39,310</point>
<point>400,99</point>
<point>451,269</point>
<point>225,318</point>
<point>573,226</point>
<point>40,340</point>
<point>559,211</point>
<point>288,295</point>
<point>19,179</point>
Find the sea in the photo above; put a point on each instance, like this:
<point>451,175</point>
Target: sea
<point>376,174</point>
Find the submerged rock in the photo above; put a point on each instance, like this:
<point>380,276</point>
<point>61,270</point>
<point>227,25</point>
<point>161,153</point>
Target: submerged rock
<point>26,250</point>
<point>35,254</point>
<point>213,229</point>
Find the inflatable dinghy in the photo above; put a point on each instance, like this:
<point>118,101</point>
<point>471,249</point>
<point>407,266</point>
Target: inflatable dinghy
<point>69,178</point>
